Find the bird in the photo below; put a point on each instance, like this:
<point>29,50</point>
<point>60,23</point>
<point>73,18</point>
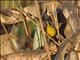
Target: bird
<point>49,27</point>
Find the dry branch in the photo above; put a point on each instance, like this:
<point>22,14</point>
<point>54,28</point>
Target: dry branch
<point>73,40</point>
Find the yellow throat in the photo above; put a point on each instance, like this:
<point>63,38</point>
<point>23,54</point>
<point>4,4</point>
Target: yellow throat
<point>51,30</point>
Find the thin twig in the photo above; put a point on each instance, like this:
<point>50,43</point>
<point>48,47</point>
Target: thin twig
<point>4,28</point>
<point>40,20</point>
<point>55,15</point>
<point>24,21</point>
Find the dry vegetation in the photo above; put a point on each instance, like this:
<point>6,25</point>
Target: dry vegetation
<point>24,36</point>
